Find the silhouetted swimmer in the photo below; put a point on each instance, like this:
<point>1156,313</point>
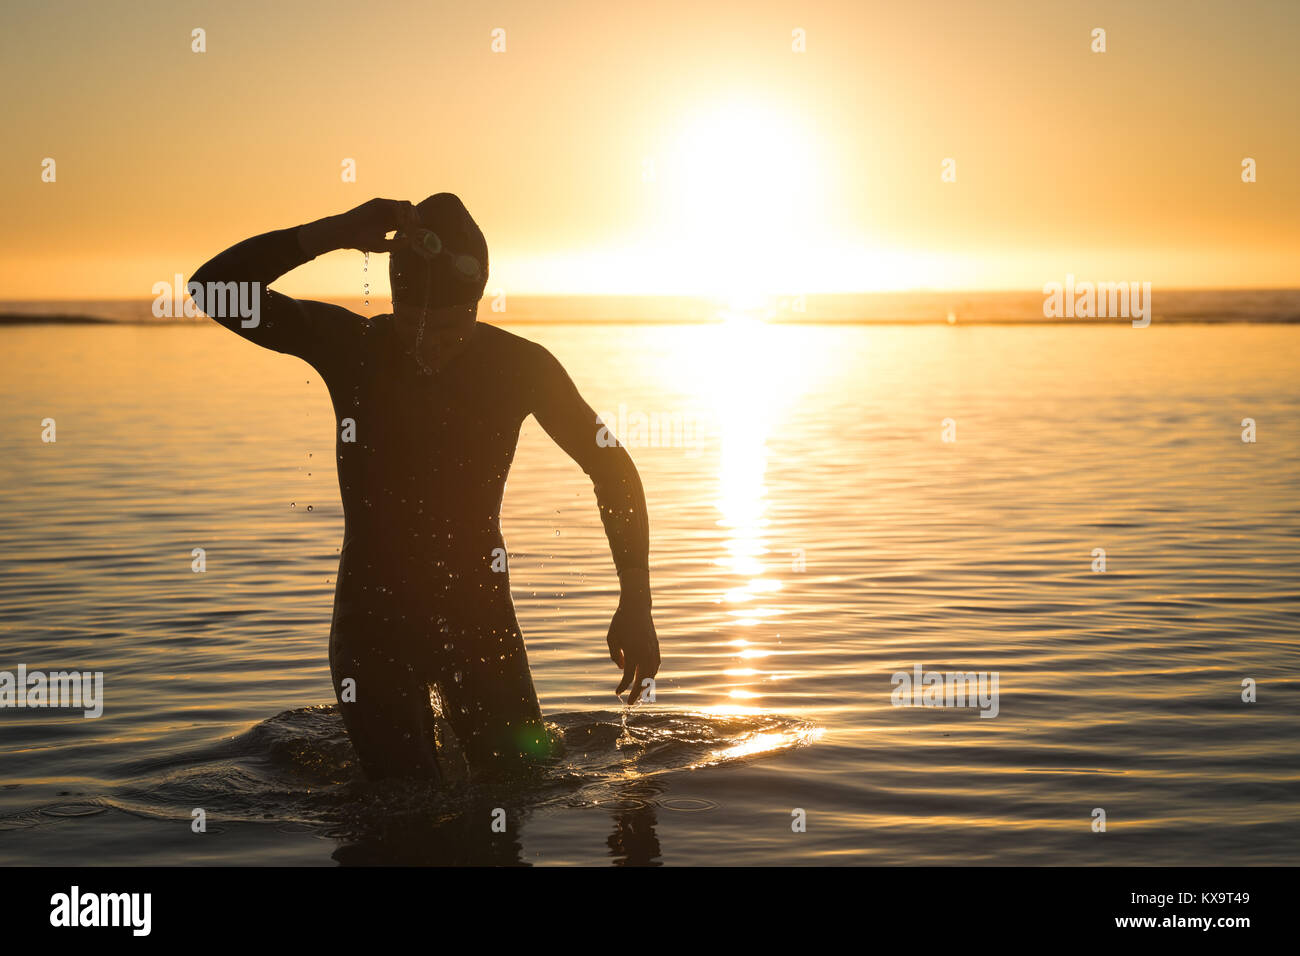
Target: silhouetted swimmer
<point>429,404</point>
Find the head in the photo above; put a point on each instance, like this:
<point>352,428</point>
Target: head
<point>445,267</point>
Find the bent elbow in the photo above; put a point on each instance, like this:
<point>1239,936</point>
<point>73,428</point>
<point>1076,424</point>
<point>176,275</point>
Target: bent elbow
<point>197,283</point>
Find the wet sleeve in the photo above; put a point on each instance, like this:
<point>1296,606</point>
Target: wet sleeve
<point>233,289</point>
<point>573,425</point>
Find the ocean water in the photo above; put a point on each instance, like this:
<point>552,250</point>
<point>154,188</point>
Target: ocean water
<point>812,534</point>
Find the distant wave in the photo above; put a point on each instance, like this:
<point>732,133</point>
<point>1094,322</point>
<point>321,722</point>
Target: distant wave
<point>1171,307</point>
<point>27,318</point>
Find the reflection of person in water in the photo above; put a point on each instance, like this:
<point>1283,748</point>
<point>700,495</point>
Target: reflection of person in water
<point>435,834</point>
<point>633,841</point>
<point>429,406</point>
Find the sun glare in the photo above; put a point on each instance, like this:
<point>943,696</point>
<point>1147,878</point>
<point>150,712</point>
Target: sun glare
<point>746,376</point>
<point>743,193</point>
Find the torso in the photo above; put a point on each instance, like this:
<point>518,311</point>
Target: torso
<point>423,478</point>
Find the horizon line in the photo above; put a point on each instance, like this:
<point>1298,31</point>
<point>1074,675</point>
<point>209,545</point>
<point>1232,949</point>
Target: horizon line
<point>696,295</point>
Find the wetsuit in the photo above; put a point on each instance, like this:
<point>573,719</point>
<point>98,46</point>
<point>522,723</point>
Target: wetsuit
<point>418,604</point>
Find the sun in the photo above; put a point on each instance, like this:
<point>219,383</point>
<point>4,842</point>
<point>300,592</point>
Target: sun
<point>733,199</point>
<point>743,189</point>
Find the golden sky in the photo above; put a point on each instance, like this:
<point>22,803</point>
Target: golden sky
<point>675,147</point>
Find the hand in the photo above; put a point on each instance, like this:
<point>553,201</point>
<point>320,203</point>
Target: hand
<point>633,646</point>
<point>363,228</point>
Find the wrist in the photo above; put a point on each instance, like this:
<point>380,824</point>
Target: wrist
<point>634,584</point>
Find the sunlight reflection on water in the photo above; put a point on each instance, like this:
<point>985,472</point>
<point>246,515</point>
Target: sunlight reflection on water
<point>820,538</point>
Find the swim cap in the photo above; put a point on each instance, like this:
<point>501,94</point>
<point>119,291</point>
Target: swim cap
<point>448,257</point>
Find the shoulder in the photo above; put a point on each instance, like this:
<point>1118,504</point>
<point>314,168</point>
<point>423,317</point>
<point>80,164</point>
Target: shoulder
<point>336,321</point>
<point>515,351</point>
<point>506,342</point>
<point>333,334</point>
<point>536,376</point>
<point>328,317</point>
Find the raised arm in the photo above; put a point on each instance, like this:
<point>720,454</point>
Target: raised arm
<point>233,286</point>
<point>572,424</point>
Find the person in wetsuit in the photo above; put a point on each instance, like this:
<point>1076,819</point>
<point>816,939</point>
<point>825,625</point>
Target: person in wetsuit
<point>429,403</point>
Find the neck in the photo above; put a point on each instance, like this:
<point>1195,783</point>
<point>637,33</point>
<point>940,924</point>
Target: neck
<point>441,317</point>
<point>445,331</point>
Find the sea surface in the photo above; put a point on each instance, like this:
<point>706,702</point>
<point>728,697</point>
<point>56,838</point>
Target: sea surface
<point>813,533</point>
